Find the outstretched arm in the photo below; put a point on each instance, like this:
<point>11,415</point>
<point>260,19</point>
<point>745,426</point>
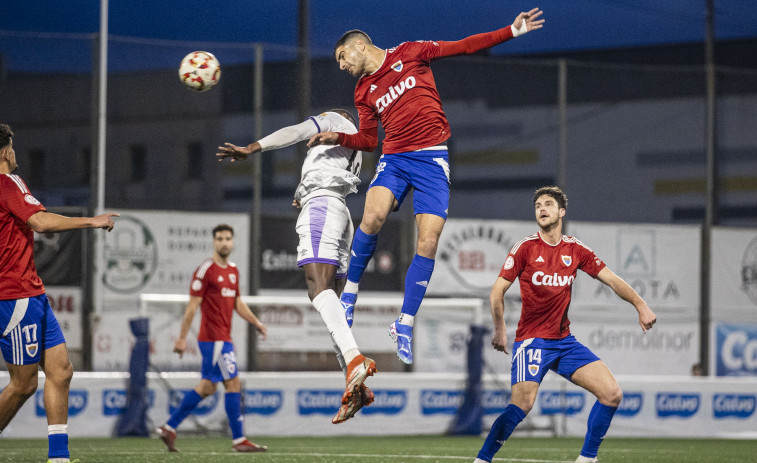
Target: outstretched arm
<point>524,22</point>
<point>497,302</point>
<point>647,318</point>
<point>281,138</point>
<point>47,222</point>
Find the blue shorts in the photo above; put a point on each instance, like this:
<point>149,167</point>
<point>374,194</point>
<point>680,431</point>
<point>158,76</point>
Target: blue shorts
<point>219,363</point>
<point>532,358</point>
<point>28,327</point>
<point>426,172</point>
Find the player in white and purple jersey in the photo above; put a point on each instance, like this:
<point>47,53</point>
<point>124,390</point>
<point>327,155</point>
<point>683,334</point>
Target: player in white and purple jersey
<point>546,264</point>
<point>329,174</point>
<point>397,88</point>
<point>30,336</point>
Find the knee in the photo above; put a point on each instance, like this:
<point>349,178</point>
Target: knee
<point>427,244</point>
<point>61,374</point>
<point>372,222</point>
<point>24,388</point>
<point>612,397</point>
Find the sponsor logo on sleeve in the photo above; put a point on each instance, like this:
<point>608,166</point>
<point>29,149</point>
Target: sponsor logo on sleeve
<point>670,404</point>
<point>557,402</point>
<point>31,200</point>
<point>733,405</point>
<point>631,404</point>
<point>442,402</point>
<point>262,402</point>
<point>205,407</point>
<point>196,285</point>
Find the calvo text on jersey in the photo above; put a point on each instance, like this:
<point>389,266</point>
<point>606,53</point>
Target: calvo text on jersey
<point>394,92</point>
<point>540,279</point>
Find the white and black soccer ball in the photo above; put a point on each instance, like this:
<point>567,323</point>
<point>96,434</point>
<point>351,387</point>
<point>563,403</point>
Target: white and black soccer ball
<point>200,71</point>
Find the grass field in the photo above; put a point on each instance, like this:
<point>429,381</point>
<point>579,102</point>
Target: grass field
<point>416,449</point>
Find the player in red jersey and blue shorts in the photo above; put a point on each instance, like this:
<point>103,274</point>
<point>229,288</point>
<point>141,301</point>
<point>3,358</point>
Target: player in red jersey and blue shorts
<point>30,336</point>
<point>546,264</point>
<point>397,88</point>
<point>215,288</point>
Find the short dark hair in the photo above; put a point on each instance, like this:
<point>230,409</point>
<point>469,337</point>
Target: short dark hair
<point>353,34</point>
<point>6,134</point>
<point>344,113</point>
<point>222,227</point>
<point>554,192</point>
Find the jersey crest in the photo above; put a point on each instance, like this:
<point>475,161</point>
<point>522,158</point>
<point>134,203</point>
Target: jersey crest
<point>567,260</point>
<point>397,66</point>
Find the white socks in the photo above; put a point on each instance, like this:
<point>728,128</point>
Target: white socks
<point>327,304</point>
<point>405,319</point>
<point>350,287</point>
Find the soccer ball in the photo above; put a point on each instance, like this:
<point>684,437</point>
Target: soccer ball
<point>200,71</point>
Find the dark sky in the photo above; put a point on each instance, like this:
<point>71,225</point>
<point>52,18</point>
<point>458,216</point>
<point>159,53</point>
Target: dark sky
<point>570,24</point>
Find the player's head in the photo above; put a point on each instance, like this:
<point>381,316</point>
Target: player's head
<point>550,204</point>
<point>345,114</point>
<point>350,52</point>
<point>223,240</point>
<point>7,154</point>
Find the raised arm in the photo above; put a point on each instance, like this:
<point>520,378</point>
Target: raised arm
<point>244,311</point>
<point>47,222</point>
<point>647,318</point>
<point>189,314</point>
<point>524,22</point>
<point>281,138</point>
<point>497,302</point>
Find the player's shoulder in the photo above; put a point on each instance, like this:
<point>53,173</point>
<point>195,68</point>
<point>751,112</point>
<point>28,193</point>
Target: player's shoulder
<point>203,268</point>
<point>525,244</point>
<point>233,265</point>
<point>575,242</point>
<point>13,181</point>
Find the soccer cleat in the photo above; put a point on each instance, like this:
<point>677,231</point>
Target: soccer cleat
<point>247,446</point>
<point>358,370</point>
<point>348,301</point>
<point>357,401</point>
<point>168,437</point>
<point>583,459</point>
<point>403,336</point>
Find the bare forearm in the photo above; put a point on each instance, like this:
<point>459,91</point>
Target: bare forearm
<point>47,222</point>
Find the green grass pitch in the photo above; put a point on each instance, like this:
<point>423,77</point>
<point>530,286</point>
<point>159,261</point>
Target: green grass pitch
<point>357,449</point>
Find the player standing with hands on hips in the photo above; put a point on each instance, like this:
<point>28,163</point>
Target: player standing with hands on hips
<point>397,88</point>
<point>30,335</point>
<point>546,264</point>
<point>215,288</point>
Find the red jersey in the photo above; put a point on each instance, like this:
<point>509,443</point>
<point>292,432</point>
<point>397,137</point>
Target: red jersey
<point>218,287</point>
<point>18,275</point>
<point>546,275</point>
<point>402,94</point>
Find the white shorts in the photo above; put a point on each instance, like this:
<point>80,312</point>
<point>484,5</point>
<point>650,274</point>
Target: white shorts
<point>325,229</point>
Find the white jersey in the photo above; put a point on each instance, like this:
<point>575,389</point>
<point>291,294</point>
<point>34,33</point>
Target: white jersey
<point>328,170</point>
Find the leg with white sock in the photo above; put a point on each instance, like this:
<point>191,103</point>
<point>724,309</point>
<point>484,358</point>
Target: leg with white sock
<point>58,374</point>
<point>597,379</point>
